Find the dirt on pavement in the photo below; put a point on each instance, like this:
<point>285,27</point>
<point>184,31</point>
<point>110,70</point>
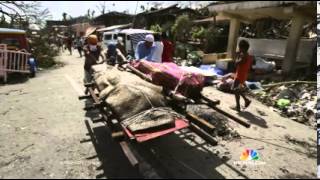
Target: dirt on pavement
<point>45,133</point>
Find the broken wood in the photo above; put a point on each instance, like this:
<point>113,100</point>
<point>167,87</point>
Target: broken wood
<point>118,135</point>
<point>210,101</point>
<point>238,120</point>
<point>127,151</point>
<point>200,122</point>
<point>140,74</point>
<point>204,135</point>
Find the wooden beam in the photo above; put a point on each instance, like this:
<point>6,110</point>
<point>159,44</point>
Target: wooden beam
<point>308,15</point>
<point>233,36</point>
<point>236,16</point>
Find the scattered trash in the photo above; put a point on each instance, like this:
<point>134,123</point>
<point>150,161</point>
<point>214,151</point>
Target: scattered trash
<point>262,66</point>
<point>283,103</point>
<point>295,100</point>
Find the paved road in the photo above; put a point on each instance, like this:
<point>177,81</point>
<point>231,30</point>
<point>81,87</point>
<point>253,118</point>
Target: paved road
<point>43,135</point>
<point>43,129</point>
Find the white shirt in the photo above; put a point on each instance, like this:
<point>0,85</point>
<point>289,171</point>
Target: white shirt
<point>157,52</point>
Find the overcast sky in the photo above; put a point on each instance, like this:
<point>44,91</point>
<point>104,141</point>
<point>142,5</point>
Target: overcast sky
<point>79,8</point>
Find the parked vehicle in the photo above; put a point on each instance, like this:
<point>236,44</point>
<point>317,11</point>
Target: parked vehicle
<point>131,37</point>
<point>14,53</point>
<point>15,39</point>
<point>109,37</point>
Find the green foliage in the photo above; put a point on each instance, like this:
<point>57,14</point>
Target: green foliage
<point>167,26</point>
<point>214,40</point>
<point>198,33</point>
<point>181,28</point>
<point>183,49</point>
<point>156,28</point>
<point>42,51</point>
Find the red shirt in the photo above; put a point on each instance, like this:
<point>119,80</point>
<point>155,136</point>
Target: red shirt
<point>167,51</point>
<point>243,69</point>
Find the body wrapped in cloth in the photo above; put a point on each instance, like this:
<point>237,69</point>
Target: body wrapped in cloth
<point>138,104</point>
<point>172,77</point>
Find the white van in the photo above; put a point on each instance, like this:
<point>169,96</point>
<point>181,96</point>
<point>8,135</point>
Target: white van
<point>109,37</point>
<point>131,37</point>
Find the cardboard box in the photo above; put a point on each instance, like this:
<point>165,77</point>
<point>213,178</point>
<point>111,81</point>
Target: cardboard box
<point>213,57</point>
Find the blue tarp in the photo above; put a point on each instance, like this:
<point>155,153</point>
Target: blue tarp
<point>213,69</point>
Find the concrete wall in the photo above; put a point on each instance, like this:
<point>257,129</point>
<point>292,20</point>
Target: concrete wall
<point>260,47</point>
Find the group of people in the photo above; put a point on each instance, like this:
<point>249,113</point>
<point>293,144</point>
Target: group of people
<point>153,48</point>
<point>68,43</point>
<point>160,49</point>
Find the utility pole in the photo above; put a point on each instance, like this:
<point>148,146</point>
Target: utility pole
<point>135,14</point>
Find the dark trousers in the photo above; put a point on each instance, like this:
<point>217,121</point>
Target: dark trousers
<point>239,91</point>
<point>70,49</point>
<point>80,51</point>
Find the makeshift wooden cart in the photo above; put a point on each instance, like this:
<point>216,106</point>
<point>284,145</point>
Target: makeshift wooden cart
<point>178,103</point>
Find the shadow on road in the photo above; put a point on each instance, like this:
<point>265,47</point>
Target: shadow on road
<point>113,162</point>
<point>253,119</point>
<point>191,159</point>
<point>163,154</point>
<point>15,78</point>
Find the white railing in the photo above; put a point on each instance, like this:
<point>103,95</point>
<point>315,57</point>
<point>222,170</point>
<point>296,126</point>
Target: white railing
<point>12,61</point>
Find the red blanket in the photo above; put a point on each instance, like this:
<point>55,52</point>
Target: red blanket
<point>170,76</point>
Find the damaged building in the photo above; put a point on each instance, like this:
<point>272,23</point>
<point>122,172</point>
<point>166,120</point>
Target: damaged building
<point>294,51</point>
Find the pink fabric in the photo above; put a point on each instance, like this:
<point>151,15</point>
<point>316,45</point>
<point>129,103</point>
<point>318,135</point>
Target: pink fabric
<point>168,75</point>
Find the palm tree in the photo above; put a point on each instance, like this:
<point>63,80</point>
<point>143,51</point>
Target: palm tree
<point>142,8</point>
<point>64,15</point>
<point>102,7</point>
<point>92,13</point>
<point>88,13</point>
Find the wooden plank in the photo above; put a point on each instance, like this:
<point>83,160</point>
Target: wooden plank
<point>210,101</point>
<point>13,59</point>
<point>200,122</point>
<point>238,120</point>
<point>18,61</point>
<point>94,96</point>
<point>127,151</point>
<point>118,135</point>
<point>204,135</point>
<point>140,74</point>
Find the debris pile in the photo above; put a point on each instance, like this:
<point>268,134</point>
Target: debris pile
<point>223,130</point>
<point>296,100</point>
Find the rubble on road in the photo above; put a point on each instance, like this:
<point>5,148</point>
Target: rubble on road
<point>296,101</point>
<point>223,130</point>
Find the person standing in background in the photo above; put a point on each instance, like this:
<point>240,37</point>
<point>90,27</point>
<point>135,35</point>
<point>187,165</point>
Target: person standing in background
<point>69,44</point>
<point>158,49</point>
<point>121,47</point>
<point>243,65</point>
<point>79,45</point>
<point>168,49</point>
<point>92,52</point>
<point>144,50</point>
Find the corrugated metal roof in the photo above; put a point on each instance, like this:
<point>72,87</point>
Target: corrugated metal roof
<point>135,31</point>
<point>16,31</point>
<point>110,28</point>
